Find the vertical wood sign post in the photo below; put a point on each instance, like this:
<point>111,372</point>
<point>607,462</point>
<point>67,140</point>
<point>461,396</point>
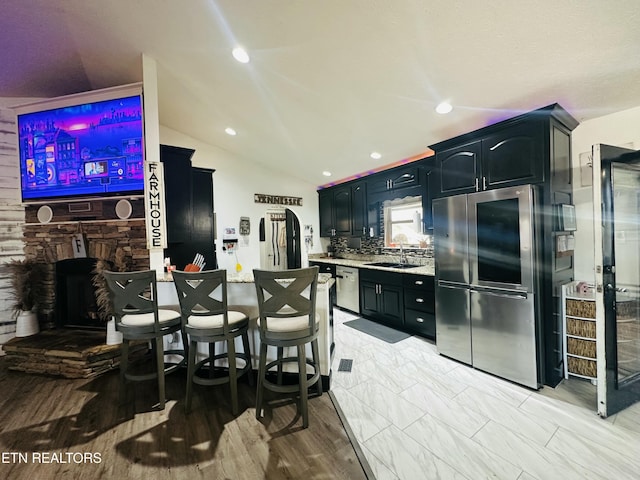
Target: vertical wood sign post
<point>155,213</point>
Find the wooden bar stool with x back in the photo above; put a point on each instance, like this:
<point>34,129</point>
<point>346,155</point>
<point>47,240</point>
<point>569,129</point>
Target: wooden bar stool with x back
<point>287,306</point>
<point>206,318</point>
<point>134,298</point>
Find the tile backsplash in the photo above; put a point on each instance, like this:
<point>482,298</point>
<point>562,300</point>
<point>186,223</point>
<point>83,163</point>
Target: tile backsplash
<point>375,246</point>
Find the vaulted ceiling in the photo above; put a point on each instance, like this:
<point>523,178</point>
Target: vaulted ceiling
<point>330,81</point>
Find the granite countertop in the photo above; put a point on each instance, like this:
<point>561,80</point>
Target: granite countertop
<point>425,269</point>
<point>247,277</point>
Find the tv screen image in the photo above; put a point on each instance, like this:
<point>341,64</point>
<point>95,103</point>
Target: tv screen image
<point>90,149</point>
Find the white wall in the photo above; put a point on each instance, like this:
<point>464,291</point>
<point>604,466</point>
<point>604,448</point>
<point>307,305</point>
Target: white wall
<point>235,182</point>
<point>11,217</point>
<point>618,129</point>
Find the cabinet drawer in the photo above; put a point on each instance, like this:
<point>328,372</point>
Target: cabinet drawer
<point>421,282</point>
<point>421,300</point>
<point>420,322</point>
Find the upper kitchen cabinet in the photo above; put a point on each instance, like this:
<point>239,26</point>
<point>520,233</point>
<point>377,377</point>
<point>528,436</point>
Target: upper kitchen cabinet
<point>343,210</point>
<point>395,179</point>
<point>429,178</point>
<point>359,211</point>
<point>458,169</point>
<point>513,157</point>
<point>513,152</point>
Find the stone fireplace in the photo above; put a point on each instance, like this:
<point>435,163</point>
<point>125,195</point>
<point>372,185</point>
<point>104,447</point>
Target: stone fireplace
<point>66,292</point>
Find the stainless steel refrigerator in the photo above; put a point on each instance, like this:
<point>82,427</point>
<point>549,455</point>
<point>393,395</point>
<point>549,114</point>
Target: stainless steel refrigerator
<point>487,280</point>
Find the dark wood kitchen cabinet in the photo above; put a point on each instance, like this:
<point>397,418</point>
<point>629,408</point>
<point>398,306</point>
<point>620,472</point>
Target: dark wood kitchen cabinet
<point>381,297</point>
<point>176,162</point>
<point>399,182</point>
<point>512,155</point>
<point>359,212</point>
<point>343,210</point>
<point>394,179</point>
<point>335,211</point>
<point>419,304</point>
<point>428,172</point>
<point>189,208</point>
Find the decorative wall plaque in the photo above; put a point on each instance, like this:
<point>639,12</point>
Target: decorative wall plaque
<point>277,199</point>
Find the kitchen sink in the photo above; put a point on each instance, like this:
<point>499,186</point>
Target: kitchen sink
<point>393,265</point>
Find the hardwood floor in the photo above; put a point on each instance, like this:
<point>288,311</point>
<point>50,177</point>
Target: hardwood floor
<point>74,429</point>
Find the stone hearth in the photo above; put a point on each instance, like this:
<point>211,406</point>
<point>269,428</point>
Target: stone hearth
<point>66,353</point>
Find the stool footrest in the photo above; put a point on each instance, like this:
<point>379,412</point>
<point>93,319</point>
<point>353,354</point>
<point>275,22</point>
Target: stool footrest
<point>293,388</point>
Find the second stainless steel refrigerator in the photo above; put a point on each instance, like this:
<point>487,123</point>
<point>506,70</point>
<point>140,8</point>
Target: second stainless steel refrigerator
<point>487,280</point>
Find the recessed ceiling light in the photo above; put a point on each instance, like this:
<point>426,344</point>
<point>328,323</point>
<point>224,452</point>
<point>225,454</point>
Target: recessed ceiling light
<point>444,107</point>
<point>230,131</point>
<point>326,174</point>
<point>240,54</point>
<point>376,155</point>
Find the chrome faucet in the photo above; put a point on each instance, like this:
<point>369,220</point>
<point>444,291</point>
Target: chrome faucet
<point>403,259</point>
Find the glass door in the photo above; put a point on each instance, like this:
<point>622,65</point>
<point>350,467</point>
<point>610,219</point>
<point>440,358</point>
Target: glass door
<point>617,243</point>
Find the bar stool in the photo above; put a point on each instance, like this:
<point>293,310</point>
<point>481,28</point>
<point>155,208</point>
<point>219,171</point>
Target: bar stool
<point>287,306</point>
<point>207,318</point>
<point>134,298</point>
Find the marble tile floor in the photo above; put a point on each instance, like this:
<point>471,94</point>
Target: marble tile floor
<point>418,415</point>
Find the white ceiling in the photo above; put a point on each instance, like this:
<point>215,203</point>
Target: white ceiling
<point>331,81</point>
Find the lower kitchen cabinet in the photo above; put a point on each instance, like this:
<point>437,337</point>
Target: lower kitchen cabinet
<point>419,304</point>
<point>381,297</point>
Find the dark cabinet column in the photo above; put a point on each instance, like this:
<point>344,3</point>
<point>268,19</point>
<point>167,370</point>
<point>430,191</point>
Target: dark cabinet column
<point>177,188</point>
<point>189,208</point>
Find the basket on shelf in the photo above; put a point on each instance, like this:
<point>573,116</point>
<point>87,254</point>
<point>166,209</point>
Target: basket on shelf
<point>581,328</point>
<point>584,348</point>
<point>581,308</point>
<point>582,366</point>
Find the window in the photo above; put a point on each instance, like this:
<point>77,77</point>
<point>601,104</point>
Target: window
<point>403,223</point>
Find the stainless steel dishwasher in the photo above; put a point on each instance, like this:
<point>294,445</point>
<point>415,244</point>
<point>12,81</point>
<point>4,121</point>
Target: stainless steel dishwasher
<point>348,288</point>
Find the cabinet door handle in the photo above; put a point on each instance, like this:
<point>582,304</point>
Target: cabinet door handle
<point>484,183</point>
<point>420,320</point>
<point>476,184</point>
<point>418,282</point>
<point>419,300</point>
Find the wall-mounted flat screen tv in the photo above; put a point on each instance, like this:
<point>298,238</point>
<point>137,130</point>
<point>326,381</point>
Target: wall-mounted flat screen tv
<point>85,145</point>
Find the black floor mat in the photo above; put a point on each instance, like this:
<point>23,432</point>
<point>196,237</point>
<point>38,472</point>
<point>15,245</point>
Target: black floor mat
<point>374,329</point>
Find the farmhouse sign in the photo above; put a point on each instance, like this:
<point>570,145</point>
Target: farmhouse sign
<point>155,205</point>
